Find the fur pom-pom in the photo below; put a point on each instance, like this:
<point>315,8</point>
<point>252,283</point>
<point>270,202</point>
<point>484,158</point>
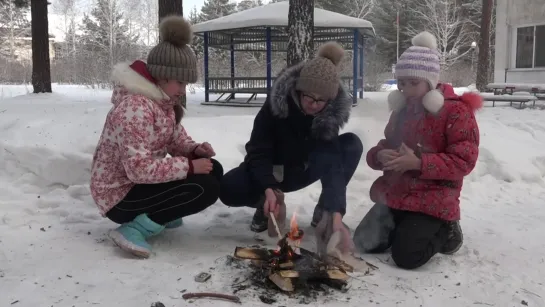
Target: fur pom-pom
<point>433,101</point>
<point>473,100</point>
<point>331,51</point>
<point>396,100</point>
<point>175,30</point>
<point>425,39</point>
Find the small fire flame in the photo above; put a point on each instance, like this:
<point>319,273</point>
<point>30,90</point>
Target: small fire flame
<point>295,234</point>
<point>290,242</point>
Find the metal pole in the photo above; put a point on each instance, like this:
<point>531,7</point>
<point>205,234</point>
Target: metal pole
<point>206,75</point>
<point>355,81</point>
<point>269,59</point>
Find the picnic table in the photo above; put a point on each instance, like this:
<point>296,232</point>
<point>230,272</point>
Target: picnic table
<point>521,98</point>
<point>509,88</point>
<point>515,92</point>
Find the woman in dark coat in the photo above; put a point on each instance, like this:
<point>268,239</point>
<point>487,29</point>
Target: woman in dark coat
<point>295,142</point>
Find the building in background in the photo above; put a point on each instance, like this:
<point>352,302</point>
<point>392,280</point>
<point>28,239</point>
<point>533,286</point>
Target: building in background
<point>520,41</point>
<point>17,43</point>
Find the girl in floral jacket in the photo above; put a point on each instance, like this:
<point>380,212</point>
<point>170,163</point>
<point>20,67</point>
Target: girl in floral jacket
<point>133,182</point>
<point>431,143</point>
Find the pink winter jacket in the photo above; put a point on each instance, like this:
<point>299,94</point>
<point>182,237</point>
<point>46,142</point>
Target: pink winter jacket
<point>139,131</point>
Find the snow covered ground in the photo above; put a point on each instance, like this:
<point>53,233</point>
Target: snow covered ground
<point>54,250</point>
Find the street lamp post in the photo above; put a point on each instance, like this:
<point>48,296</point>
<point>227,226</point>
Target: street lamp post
<point>473,47</point>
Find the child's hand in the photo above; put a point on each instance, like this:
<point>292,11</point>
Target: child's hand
<point>406,162</point>
<point>202,166</point>
<point>387,155</point>
<point>205,150</point>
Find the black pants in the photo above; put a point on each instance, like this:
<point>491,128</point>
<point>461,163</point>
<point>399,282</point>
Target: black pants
<point>414,237</point>
<point>239,188</point>
<point>165,202</point>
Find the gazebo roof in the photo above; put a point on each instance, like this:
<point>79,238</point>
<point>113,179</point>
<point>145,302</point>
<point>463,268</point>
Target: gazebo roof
<point>276,15</point>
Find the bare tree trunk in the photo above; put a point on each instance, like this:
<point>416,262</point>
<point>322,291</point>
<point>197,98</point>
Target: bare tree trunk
<point>484,47</point>
<point>300,31</point>
<point>170,7</point>
<point>41,66</point>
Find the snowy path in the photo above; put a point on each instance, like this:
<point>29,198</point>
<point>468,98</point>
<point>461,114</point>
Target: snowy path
<point>54,250</point>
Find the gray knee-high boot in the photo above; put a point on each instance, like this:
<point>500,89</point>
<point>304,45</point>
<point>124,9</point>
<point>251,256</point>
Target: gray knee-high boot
<point>373,232</point>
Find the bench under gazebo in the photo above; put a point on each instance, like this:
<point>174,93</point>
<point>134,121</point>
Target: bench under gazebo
<point>264,29</point>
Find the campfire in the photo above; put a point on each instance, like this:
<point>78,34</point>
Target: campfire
<point>291,267</point>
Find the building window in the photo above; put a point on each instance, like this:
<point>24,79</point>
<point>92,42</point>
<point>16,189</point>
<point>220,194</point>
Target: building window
<point>530,47</point>
<point>540,47</point>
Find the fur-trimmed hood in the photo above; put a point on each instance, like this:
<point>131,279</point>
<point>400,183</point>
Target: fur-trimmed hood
<point>328,122</point>
<point>133,80</point>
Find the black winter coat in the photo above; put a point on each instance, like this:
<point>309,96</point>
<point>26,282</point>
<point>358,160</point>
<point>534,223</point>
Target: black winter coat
<point>283,135</point>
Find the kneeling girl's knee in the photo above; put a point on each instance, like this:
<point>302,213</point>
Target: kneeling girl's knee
<point>408,259</point>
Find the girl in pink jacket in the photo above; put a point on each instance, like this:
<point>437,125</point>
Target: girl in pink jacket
<point>133,182</point>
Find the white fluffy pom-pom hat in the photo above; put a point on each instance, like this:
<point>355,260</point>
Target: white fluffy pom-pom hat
<point>421,61</point>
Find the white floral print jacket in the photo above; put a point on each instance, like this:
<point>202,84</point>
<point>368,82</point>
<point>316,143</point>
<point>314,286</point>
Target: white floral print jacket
<point>139,131</point>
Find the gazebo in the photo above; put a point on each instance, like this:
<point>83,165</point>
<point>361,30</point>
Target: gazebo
<point>265,29</point>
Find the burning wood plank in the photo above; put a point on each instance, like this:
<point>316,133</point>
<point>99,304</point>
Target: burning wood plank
<point>283,283</point>
<point>339,263</point>
<point>252,253</point>
<point>330,260</point>
<point>287,265</point>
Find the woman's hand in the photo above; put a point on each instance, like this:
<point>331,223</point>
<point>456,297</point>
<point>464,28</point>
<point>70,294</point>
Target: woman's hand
<point>333,236</point>
<point>271,203</point>
<point>345,244</point>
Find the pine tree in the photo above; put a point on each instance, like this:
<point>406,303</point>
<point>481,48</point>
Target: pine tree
<point>338,6</point>
<point>198,43</point>
<point>213,9</point>
<point>384,21</point>
<point>17,3</point>
<point>353,8</point>
<point>105,33</point>
<point>248,4</point>
<point>13,24</point>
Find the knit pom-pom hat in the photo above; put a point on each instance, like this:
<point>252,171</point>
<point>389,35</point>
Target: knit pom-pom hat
<point>420,61</point>
<point>320,75</point>
<point>173,58</point>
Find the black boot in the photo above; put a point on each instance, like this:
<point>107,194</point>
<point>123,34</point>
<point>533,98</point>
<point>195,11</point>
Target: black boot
<point>455,238</point>
<point>259,221</point>
<point>317,216</point>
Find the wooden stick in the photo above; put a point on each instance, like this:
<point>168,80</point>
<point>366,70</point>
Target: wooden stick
<point>276,226</point>
<point>231,298</point>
